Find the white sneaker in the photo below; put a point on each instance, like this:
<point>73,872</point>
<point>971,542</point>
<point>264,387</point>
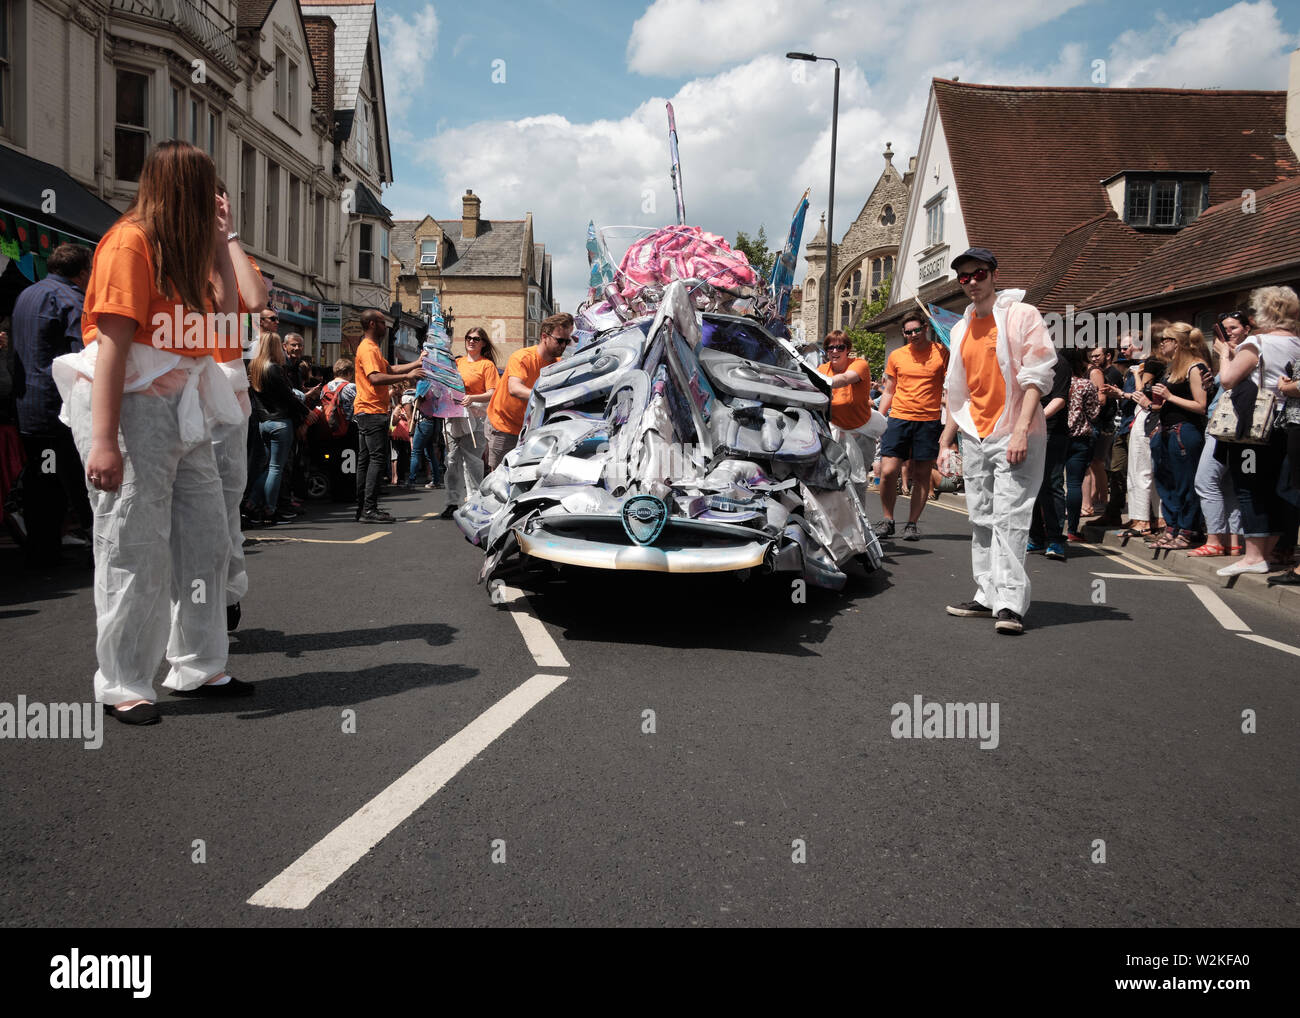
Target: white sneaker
<point>1237,568</point>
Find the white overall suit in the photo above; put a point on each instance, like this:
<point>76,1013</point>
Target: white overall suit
<point>162,540</point>
<point>1000,497</point>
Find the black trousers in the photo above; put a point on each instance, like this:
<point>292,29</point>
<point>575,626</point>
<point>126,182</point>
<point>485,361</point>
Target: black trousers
<point>372,458</point>
<point>53,481</point>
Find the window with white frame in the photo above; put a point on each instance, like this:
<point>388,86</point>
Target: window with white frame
<point>248,193</point>
<point>427,298</point>
<point>176,114</point>
<point>198,120</point>
<point>131,125</point>
<point>428,252</point>
<point>934,219</point>
<point>318,239</point>
<point>286,87</point>
<point>214,137</point>
<point>383,257</point>
<point>365,251</point>
<point>291,246</point>
<point>363,134</point>
<point>272,208</point>
<point>1164,202</point>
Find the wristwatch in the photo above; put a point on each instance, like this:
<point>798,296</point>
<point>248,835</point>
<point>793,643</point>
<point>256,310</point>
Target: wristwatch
<point>232,236</point>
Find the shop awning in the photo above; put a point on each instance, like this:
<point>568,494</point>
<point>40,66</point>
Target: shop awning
<point>41,207</point>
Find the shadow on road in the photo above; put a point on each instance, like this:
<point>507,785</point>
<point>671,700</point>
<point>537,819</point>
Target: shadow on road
<point>287,694</point>
<point>1061,613</point>
<point>273,641</point>
<point>764,614</point>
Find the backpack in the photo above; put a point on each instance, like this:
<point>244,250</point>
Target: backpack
<point>333,417</point>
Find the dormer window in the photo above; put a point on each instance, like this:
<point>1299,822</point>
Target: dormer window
<point>428,252</point>
<point>1154,201</point>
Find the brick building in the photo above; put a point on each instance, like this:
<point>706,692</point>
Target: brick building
<point>486,272</point>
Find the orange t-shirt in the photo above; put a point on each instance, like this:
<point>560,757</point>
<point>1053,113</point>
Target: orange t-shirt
<point>506,412</point>
<point>122,283</point>
<point>851,404</point>
<point>918,382</point>
<point>370,399</point>
<point>479,376</point>
<point>230,349</point>
<point>988,390</point>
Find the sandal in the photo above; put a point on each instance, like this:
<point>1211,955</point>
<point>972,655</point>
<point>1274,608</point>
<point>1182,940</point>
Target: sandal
<point>1170,536</point>
<point>1132,531</point>
<point>1208,551</point>
<point>1178,543</point>
<point>1237,549</point>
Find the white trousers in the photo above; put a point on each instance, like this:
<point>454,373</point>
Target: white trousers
<point>1000,500</point>
<point>230,447</point>
<point>162,546</point>
<point>1141,471</point>
<point>464,459</point>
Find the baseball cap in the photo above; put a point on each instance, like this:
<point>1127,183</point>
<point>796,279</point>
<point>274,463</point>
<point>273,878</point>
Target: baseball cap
<point>978,254</point>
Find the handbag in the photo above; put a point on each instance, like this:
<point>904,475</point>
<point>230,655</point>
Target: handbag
<point>1226,425</point>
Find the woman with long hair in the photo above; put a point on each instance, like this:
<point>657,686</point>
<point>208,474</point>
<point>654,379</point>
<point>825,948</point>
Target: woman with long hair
<point>144,398</point>
<point>283,413</point>
<point>1213,482</point>
<point>1176,445</point>
<point>465,435</point>
<point>1083,409</point>
<point>1260,361</point>
<point>1141,480</point>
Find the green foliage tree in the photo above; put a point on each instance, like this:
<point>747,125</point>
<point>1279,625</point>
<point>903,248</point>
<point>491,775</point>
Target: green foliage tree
<point>870,346</point>
<point>760,256</point>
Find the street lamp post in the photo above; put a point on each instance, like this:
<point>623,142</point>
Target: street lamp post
<point>829,290</point>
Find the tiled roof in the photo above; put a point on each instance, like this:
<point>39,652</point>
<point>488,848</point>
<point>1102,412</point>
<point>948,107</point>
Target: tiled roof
<point>1226,244</point>
<point>496,251</point>
<point>1028,161</point>
<point>401,241</point>
<point>351,37</point>
<point>252,13</point>
<point>1088,257</point>
<point>369,205</point>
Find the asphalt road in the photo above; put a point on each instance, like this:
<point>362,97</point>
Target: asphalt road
<point>770,791</point>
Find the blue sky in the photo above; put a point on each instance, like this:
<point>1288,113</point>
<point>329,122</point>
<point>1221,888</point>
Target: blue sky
<point>577,129</point>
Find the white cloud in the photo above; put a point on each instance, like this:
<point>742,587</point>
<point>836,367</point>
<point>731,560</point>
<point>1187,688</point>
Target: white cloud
<point>1243,46</point>
<point>462,40</point>
<point>408,48</point>
<point>676,37</point>
<point>752,138</point>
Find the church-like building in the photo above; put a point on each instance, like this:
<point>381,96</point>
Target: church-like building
<point>864,259</point>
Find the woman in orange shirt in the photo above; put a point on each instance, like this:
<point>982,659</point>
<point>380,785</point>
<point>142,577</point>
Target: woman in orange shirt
<point>464,435</point>
<point>144,399</point>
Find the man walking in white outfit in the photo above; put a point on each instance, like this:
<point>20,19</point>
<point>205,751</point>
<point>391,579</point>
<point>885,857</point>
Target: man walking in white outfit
<point>1001,364</point>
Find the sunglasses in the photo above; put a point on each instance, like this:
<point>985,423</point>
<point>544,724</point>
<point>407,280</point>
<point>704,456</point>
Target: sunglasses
<point>978,276</point>
<point>563,341</point>
<point>913,332</point>
<point>836,348</point>
<point>473,339</point>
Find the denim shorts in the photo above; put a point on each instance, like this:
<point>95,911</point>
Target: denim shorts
<point>911,440</point>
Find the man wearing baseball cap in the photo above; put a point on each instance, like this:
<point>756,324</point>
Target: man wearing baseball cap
<point>1001,363</point>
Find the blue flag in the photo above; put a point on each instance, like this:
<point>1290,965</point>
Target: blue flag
<point>943,321</point>
<point>783,268</point>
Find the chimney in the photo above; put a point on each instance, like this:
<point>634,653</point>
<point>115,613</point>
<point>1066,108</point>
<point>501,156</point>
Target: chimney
<point>320,43</point>
<point>469,215</point>
<point>1293,105</point>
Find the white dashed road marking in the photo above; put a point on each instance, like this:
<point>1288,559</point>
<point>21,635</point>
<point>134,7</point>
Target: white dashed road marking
<point>332,856</point>
<point>541,645</point>
<point>1276,645</point>
<point>1224,615</point>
